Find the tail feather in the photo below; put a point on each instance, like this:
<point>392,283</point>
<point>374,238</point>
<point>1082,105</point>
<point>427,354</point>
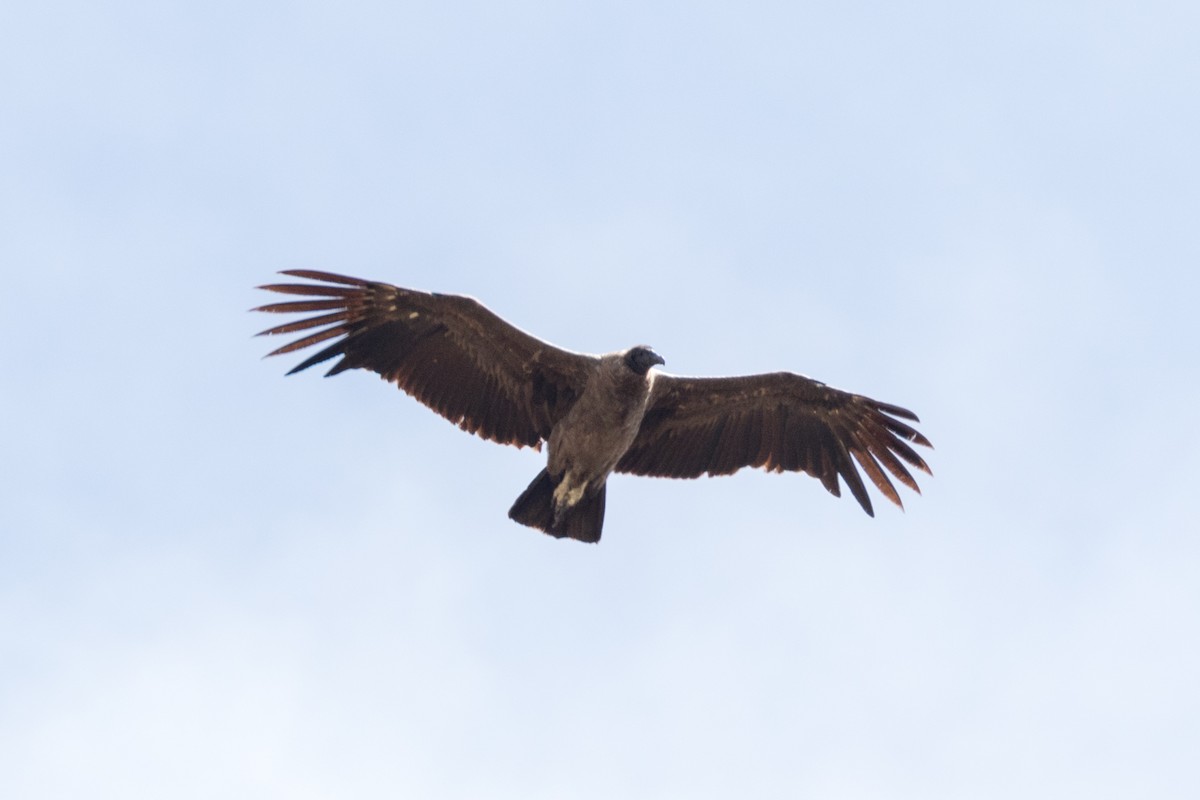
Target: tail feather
<point>535,508</point>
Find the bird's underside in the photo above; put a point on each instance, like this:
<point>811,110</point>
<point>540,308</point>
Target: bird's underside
<point>598,414</point>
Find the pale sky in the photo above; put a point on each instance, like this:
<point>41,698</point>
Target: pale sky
<point>216,581</point>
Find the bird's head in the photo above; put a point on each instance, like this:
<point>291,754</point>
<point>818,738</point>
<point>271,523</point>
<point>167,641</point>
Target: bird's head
<point>641,358</point>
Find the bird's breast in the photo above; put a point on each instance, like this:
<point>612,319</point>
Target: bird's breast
<point>597,431</point>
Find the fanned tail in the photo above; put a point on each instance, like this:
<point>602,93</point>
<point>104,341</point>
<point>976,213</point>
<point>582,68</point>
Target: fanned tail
<point>535,508</point>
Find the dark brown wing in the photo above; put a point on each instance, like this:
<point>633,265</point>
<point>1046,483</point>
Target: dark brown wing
<point>781,421</point>
<point>447,351</point>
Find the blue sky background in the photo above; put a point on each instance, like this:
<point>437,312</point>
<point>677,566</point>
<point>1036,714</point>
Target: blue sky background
<point>215,581</point>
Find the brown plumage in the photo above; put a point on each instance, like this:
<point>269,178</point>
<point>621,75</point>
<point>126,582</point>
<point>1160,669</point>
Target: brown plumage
<point>598,414</point>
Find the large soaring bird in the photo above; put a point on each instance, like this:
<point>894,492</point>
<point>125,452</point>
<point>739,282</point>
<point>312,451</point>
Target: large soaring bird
<point>597,414</point>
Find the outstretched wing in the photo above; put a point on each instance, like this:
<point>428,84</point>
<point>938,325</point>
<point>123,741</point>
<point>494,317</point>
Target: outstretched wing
<point>447,351</point>
<point>779,421</point>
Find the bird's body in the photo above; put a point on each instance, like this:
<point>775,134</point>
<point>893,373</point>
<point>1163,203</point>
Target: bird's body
<point>589,441</point>
<point>597,414</point>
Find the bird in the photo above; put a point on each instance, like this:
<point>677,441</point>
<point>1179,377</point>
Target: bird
<point>595,414</point>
